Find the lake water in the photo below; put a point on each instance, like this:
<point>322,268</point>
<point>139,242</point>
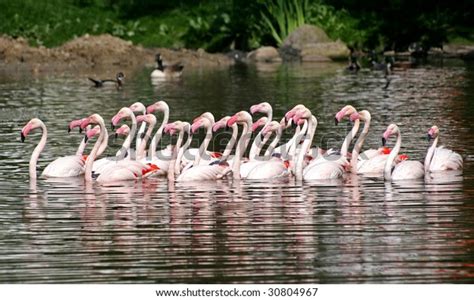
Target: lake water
<point>356,230</point>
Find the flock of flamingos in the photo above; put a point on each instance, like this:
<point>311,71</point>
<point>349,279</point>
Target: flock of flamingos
<point>179,162</point>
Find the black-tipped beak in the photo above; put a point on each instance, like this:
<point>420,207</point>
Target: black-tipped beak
<point>22,137</point>
<point>85,138</point>
<point>384,141</point>
<point>429,137</point>
<point>336,121</point>
<point>112,125</point>
<point>68,129</point>
<point>115,135</point>
<point>80,130</point>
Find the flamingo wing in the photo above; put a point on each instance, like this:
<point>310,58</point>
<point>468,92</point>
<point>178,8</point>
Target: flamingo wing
<point>198,173</point>
<point>408,169</point>
<point>268,170</point>
<point>445,159</point>
<point>66,166</point>
<point>323,170</point>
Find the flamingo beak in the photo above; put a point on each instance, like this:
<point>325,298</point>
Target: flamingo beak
<point>336,121</point>
<point>254,109</point>
<point>384,141</point>
<point>22,137</point>
<point>150,109</point>
<point>84,123</point>
<point>232,121</point>
<point>86,138</point>
<point>68,129</point>
<point>115,136</point>
<point>80,130</point>
<point>196,125</point>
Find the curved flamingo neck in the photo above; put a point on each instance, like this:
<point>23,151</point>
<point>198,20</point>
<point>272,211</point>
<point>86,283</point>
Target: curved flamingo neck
<point>128,141</point>
<point>349,137</point>
<point>38,149</point>
<point>204,144</point>
<point>231,143</point>
<point>182,149</point>
<point>139,140</point>
<point>391,157</point>
<point>300,133</point>
<point>83,144</point>
<point>104,143</point>
<point>141,150</point>
<point>92,156</point>
<point>359,143</point>
<point>429,154</point>
<point>273,144</point>
<point>239,152</point>
<point>159,133</point>
<point>257,143</point>
<point>312,124</point>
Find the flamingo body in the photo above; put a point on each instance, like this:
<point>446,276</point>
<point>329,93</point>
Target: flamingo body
<point>445,159</point>
<point>207,172</point>
<point>323,170</point>
<point>268,170</point>
<point>408,169</point>
<point>66,166</point>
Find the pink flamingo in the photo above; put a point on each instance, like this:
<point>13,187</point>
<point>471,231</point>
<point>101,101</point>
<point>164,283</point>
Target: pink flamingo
<point>405,169</point>
<point>120,171</point>
<point>440,158</point>
<point>372,160</point>
<point>160,165</point>
<point>138,107</point>
<point>274,167</point>
<point>222,123</point>
<point>174,168</point>
<point>264,108</point>
<point>203,172</point>
<point>66,166</point>
<point>164,154</point>
<point>245,119</point>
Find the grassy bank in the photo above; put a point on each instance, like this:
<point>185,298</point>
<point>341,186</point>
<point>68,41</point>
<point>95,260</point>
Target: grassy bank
<point>234,24</point>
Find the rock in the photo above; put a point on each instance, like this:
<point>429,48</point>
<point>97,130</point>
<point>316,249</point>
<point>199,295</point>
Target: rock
<point>265,54</point>
<point>312,44</point>
<point>304,35</point>
<point>459,51</point>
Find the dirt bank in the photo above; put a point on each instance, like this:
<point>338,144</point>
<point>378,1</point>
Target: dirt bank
<point>90,52</point>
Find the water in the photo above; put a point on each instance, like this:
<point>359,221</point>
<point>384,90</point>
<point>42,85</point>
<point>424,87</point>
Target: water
<point>357,230</point>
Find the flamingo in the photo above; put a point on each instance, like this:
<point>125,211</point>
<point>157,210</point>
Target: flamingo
<point>206,157</point>
<point>82,146</point>
<point>323,169</point>
<point>130,170</point>
<point>174,167</point>
<point>198,172</point>
<point>138,107</point>
<point>405,169</point>
<point>222,123</point>
<point>372,160</point>
<point>160,165</point>
<point>66,166</point>
<point>245,119</point>
<point>264,108</point>
<point>162,158</point>
<point>275,167</point>
<point>440,158</point>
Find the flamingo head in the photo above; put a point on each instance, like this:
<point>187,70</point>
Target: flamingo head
<point>122,130</point>
<point>148,118</point>
<point>92,119</point>
<point>259,123</point>
<point>172,128</point>
<point>392,129</point>
<point>293,111</point>
<point>206,115</point>
<point>240,117</point>
<point>73,124</point>
<point>123,113</point>
<point>32,124</point>
<point>160,106</point>
<point>346,111</point>
<point>138,107</point>
<point>200,122</point>
<point>263,107</point>
<point>433,132</point>
<point>271,127</point>
<point>222,123</point>
<point>92,132</point>
<point>302,114</point>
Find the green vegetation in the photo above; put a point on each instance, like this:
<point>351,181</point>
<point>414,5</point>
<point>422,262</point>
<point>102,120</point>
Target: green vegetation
<point>220,25</point>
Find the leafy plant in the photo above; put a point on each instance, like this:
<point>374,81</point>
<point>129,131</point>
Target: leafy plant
<point>282,17</point>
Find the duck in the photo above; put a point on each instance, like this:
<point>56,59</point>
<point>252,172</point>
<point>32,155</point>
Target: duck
<point>118,81</point>
<point>161,71</point>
